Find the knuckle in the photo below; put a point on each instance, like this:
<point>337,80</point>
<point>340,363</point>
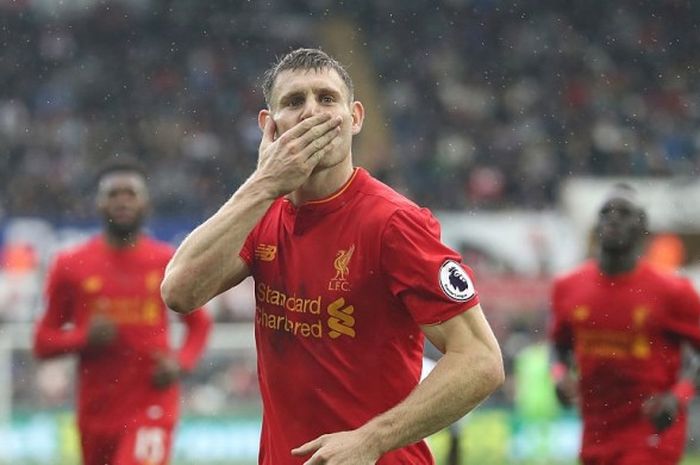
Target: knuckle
<point>317,144</point>
<point>285,138</point>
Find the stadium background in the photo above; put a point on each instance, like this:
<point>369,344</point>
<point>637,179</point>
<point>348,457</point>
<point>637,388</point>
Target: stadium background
<point>508,119</point>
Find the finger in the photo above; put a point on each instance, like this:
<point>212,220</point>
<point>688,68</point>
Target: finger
<point>316,133</point>
<point>301,128</point>
<point>309,447</point>
<point>318,148</point>
<point>268,131</point>
<point>315,459</point>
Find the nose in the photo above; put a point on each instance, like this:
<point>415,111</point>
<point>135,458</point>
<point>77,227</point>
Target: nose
<point>311,108</point>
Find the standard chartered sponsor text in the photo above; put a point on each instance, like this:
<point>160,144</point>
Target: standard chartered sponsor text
<point>300,316</point>
<point>268,295</point>
<point>282,323</point>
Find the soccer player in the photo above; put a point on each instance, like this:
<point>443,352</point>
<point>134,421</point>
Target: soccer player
<point>622,324</point>
<point>349,277</point>
<point>104,303</point>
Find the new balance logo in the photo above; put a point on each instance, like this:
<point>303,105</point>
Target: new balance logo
<point>341,321</point>
<point>265,252</point>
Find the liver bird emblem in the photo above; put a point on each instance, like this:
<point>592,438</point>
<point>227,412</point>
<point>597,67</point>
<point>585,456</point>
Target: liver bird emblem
<point>342,258</point>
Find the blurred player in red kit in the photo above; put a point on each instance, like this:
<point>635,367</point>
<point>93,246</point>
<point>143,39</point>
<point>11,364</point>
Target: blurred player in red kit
<point>104,303</point>
<point>350,277</point>
<point>622,325</point>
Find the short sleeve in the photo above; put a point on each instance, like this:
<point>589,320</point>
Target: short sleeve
<point>559,328</point>
<point>683,314</point>
<point>247,251</point>
<point>427,277</point>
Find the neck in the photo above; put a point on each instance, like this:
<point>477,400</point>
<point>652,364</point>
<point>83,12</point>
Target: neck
<point>323,183</point>
<point>121,241</point>
<point>613,264</point>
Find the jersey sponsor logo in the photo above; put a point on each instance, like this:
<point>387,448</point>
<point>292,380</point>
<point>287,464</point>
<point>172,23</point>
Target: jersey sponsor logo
<point>341,321</point>
<point>92,284</point>
<point>153,279</point>
<point>292,303</point>
<point>301,316</point>
<point>581,312</point>
<point>128,310</point>
<point>341,265</point>
<point>455,282</point>
<point>277,322</point>
<point>265,252</point>
<point>631,342</point>
<point>612,344</point>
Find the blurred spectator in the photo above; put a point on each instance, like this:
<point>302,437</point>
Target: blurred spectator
<point>490,103</point>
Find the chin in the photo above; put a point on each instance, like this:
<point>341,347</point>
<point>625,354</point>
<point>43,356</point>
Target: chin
<point>616,247</point>
<point>123,229</point>
<point>329,162</point>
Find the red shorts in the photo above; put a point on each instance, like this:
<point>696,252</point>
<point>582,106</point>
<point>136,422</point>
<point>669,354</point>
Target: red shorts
<point>142,445</point>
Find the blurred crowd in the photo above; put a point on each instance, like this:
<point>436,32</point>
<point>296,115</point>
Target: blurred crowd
<point>488,103</point>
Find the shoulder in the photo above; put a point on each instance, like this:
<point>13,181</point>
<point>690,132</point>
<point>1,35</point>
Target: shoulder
<point>156,248</point>
<point>275,210</point>
<point>73,257</point>
<point>78,252</point>
<point>156,245</point>
<point>388,204</point>
<point>375,190</point>
<point>584,272</point>
<point>675,284</point>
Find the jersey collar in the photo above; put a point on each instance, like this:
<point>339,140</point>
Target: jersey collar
<point>338,199</point>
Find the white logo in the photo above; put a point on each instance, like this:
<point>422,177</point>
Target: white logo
<point>455,282</point>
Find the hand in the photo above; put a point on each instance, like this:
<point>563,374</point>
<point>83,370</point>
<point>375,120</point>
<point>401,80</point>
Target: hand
<point>566,390</point>
<point>662,410</point>
<point>343,448</point>
<point>167,370</point>
<point>101,332</point>
<point>287,162</point>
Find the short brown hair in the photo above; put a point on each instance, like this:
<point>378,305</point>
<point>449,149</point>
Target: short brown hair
<point>305,59</point>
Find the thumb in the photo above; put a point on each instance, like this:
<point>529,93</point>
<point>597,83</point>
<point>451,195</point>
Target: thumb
<point>309,447</point>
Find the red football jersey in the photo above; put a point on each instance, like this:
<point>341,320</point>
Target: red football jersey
<point>342,285</point>
<point>626,333</point>
<point>114,385</point>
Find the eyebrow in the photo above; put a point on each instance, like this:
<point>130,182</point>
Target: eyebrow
<point>315,90</point>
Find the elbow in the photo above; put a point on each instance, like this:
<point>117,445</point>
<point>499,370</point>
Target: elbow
<point>39,353</point>
<point>175,296</point>
<point>492,373</point>
<point>40,350</point>
<point>498,374</point>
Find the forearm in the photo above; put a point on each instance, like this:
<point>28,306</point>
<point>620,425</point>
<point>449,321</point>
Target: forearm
<point>205,261</point>
<point>457,384</point>
<point>198,327</point>
<point>49,342</point>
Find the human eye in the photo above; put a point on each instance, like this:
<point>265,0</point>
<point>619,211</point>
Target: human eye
<point>295,101</point>
<point>327,99</point>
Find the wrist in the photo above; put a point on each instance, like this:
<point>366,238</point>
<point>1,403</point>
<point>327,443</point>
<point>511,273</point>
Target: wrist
<point>261,187</point>
<point>374,438</point>
<point>684,390</point>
